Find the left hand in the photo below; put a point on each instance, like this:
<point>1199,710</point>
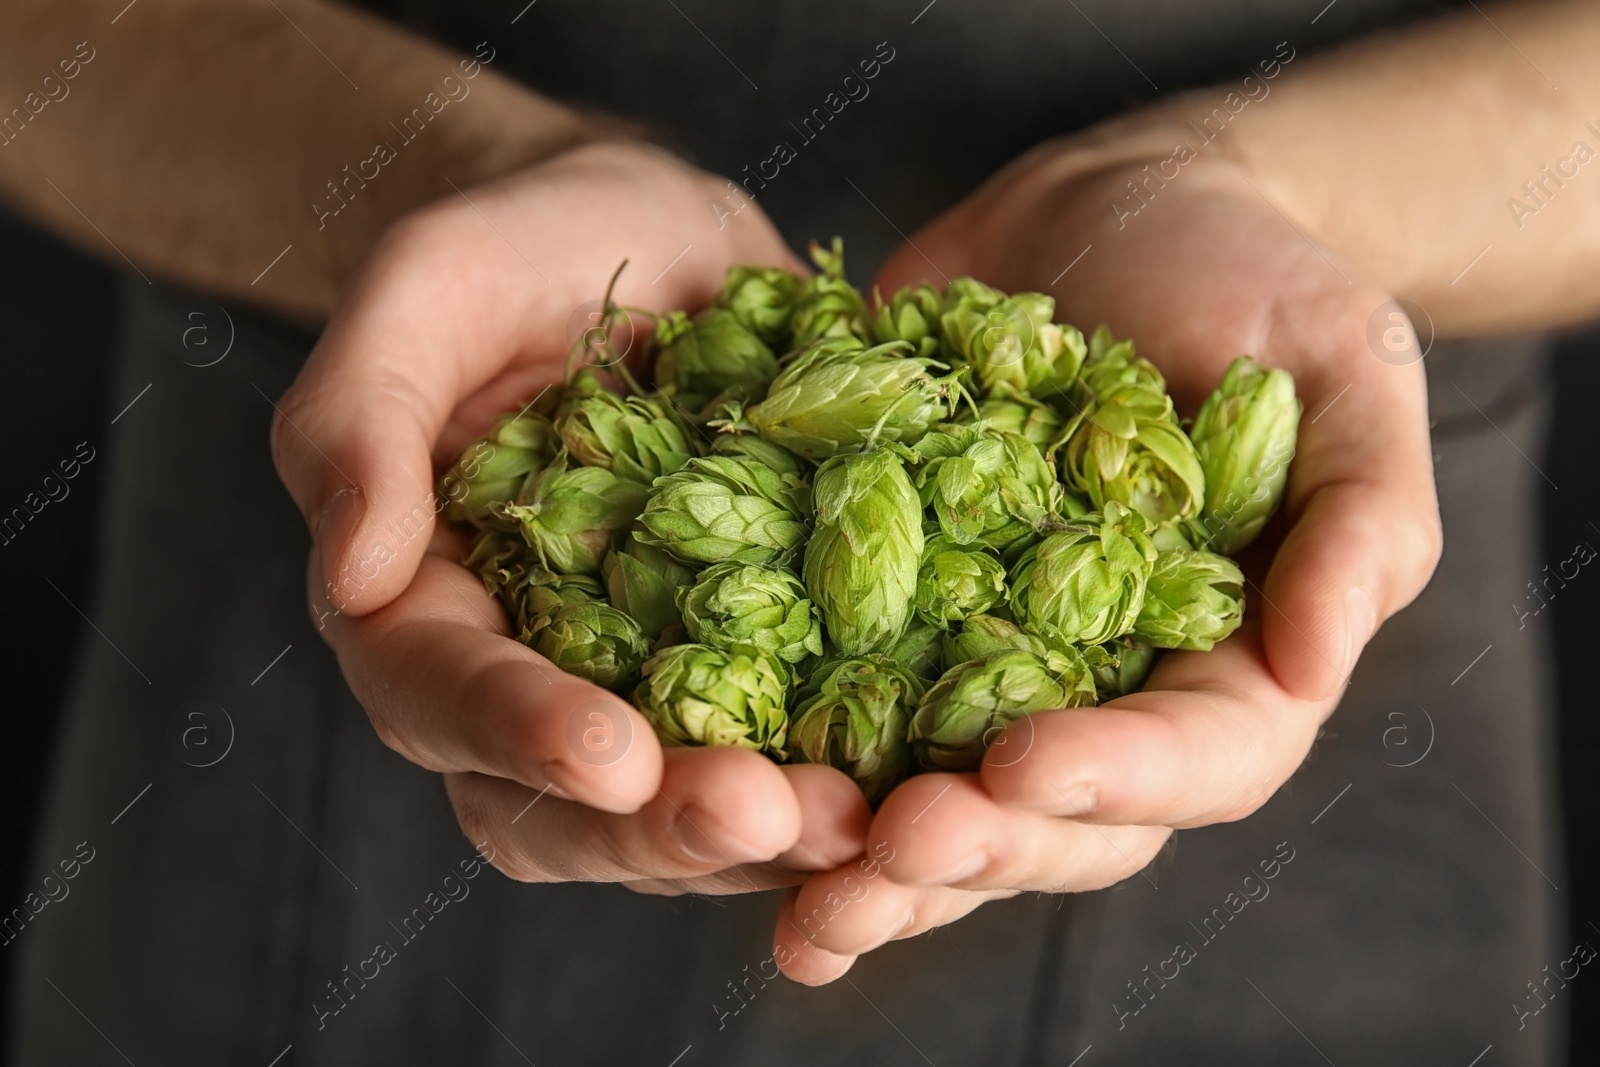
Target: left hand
<point>1078,799</point>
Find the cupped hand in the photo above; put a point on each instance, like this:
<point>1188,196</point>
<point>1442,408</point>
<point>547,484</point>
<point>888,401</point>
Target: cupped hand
<point>465,310</point>
<point>1081,798</point>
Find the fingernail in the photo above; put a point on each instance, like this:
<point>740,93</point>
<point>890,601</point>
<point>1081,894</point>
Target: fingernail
<point>703,838</point>
<point>1361,621</point>
<point>334,528</point>
<point>961,871</point>
<point>1080,799</point>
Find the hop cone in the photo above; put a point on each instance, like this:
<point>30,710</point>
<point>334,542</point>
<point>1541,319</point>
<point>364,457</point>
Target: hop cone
<point>1245,436</point>
<point>1113,363</point>
<point>744,608</point>
<point>1013,347</point>
<point>1193,600</point>
<point>956,581</point>
<point>698,695</point>
<point>749,446</point>
<point>911,315</point>
<point>969,294</point>
<point>495,468</point>
<point>972,703</point>
<point>503,559</point>
<point>1086,584</point>
<point>643,581</point>
<point>827,304</point>
<point>1126,446</point>
<point>762,299</point>
<point>833,396</point>
<point>857,721</point>
<point>572,512</point>
<point>1038,422</point>
<point>720,508</point>
<point>861,564</point>
<point>633,437</point>
<point>985,485</point>
<point>980,635</point>
<point>592,640</point>
<point>1124,668</point>
<point>919,648</point>
<point>699,358</point>
<point>538,593</point>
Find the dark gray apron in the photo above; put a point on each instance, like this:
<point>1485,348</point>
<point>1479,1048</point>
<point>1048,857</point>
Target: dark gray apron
<point>253,843</point>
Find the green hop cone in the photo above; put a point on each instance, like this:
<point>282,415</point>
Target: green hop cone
<point>495,468</point>
<point>857,721</point>
<point>1013,347</point>
<point>861,563</point>
<point>643,581</point>
<point>985,485</point>
<point>833,396</point>
<point>972,703</point>
<point>699,695</point>
<point>634,437</point>
<point>911,315</point>
<point>919,648</point>
<point>956,581</point>
<point>749,446</point>
<point>1125,445</point>
<point>762,299</point>
<point>1123,668</point>
<point>969,294</point>
<point>592,640</point>
<point>983,634</point>
<point>1112,363</point>
<point>1245,436</point>
<point>1038,422</point>
<point>827,305</point>
<point>572,514</point>
<point>701,357</point>
<point>980,635</point>
<point>740,607</point>
<point>722,508</point>
<point>1085,584</point>
<point>502,558</point>
<point>538,593</point>
<point>1193,600</point>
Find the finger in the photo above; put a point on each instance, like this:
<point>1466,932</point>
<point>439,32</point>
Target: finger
<point>1210,739</point>
<point>834,818</point>
<point>833,826</point>
<point>845,915</point>
<point>1365,534</point>
<point>946,830</point>
<point>717,808</point>
<point>450,302</point>
<point>797,957</point>
<point>445,687</point>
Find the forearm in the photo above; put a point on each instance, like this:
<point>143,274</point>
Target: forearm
<point>201,139</point>
<point>1406,153</point>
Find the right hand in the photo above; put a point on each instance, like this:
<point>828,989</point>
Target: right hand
<point>460,314</point>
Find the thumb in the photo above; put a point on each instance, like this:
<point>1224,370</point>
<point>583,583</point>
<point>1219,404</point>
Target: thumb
<point>352,441</point>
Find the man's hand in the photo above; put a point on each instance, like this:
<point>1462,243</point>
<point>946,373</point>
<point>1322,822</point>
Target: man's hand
<point>1079,799</point>
<point>465,311</point>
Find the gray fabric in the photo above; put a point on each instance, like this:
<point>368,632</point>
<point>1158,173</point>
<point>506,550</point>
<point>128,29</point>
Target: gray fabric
<point>220,904</point>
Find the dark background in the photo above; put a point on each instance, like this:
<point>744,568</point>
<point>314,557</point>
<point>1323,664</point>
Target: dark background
<point>57,312</point>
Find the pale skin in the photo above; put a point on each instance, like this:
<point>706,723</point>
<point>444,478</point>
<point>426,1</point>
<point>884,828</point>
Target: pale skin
<point>442,312</point>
